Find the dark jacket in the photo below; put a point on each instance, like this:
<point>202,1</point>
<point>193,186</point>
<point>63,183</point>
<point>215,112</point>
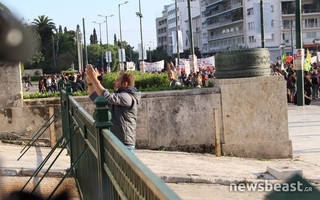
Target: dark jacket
<point>124,109</point>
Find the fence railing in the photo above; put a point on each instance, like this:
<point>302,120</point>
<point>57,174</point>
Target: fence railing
<point>103,167</point>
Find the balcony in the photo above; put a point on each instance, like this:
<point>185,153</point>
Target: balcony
<point>225,35</point>
<point>222,24</point>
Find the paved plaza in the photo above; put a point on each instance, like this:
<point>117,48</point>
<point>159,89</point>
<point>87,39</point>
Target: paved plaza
<point>204,176</point>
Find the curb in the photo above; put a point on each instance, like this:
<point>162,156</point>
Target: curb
<point>29,172</point>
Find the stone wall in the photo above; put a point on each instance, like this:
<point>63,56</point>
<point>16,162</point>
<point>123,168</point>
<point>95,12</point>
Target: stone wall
<point>176,120</point>
<point>11,86</point>
<point>255,117</point>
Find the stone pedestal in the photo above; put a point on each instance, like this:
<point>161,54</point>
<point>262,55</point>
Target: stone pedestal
<point>255,117</point>
<point>11,85</point>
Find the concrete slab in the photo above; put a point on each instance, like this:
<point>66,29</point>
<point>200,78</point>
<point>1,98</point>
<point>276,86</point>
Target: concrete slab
<point>283,172</point>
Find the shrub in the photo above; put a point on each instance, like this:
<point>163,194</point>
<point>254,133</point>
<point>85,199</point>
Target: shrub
<point>69,72</point>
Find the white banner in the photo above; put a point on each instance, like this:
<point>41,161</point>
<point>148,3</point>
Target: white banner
<point>151,67</point>
<point>122,55</point>
<point>144,52</point>
<point>108,56</point>
<point>131,66</point>
<point>202,63</point>
<point>267,20</point>
<point>174,41</point>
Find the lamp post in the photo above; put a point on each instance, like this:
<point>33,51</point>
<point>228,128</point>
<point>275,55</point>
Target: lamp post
<point>121,56</point>
<point>106,16</point>
<point>282,46</point>
<point>100,41</point>
<point>177,34</point>
<point>299,71</point>
<point>150,49</point>
<point>317,41</point>
<point>263,45</point>
<point>139,14</point>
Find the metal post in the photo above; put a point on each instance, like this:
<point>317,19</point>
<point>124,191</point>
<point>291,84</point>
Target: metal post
<point>263,45</point>
<point>85,45</point>
<point>300,78</point>
<point>121,30</point>
<point>107,61</point>
<point>140,16</point>
<point>317,56</point>
<point>101,46</point>
<point>150,54</point>
<point>177,29</point>
<point>291,38</point>
<point>190,28</point>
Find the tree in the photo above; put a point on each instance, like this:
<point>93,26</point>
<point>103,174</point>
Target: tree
<point>94,37</point>
<point>115,39</point>
<point>60,29</point>
<point>44,26</point>
<point>65,30</point>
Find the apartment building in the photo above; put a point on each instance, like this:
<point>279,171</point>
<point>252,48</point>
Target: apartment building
<point>162,30</point>
<point>222,25</point>
<point>310,14</point>
<point>169,18</point>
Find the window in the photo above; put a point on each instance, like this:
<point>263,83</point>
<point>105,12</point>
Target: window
<point>250,11</point>
<point>272,8</point>
<point>272,23</point>
<point>251,25</point>
<point>251,39</point>
<point>311,23</point>
<point>311,35</point>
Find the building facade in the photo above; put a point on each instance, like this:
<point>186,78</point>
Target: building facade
<point>169,15</point>
<point>162,30</point>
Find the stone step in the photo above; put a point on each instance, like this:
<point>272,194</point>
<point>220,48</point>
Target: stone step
<point>15,183</point>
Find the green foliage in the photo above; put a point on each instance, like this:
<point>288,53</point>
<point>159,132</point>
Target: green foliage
<point>48,95</point>
<point>69,72</point>
<point>143,81</point>
<point>22,68</point>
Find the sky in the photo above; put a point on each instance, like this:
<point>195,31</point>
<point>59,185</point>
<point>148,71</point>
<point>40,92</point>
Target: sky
<point>69,13</point>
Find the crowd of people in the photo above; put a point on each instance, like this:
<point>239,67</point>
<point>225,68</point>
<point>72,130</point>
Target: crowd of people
<point>50,83</point>
<point>311,81</point>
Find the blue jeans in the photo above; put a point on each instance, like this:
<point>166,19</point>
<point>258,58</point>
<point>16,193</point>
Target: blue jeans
<point>131,148</point>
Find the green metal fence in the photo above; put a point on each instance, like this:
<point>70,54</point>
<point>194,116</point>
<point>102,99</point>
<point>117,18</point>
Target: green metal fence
<point>103,167</point>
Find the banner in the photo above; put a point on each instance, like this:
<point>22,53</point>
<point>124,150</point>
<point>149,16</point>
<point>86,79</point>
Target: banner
<point>267,20</point>
<point>202,64</point>
<point>298,59</point>
<point>151,67</point>
<point>144,52</point>
<point>108,57</point>
<point>122,66</point>
<point>122,55</point>
<point>131,66</point>
<point>174,42</point>
<point>193,63</point>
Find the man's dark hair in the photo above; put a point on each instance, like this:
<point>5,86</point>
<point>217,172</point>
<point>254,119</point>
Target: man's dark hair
<point>127,77</point>
<point>71,78</point>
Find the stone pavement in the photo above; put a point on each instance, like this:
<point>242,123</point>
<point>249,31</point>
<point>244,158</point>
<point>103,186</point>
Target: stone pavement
<point>204,176</point>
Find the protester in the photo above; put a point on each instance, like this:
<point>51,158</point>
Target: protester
<point>123,104</point>
<point>173,81</point>
<point>75,85</point>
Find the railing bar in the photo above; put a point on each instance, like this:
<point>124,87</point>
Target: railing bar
<point>62,148</point>
<point>36,139</point>
<point>128,180</point>
<point>47,157</point>
<point>114,182</point>
<point>41,128</point>
<point>145,173</point>
<point>68,172</point>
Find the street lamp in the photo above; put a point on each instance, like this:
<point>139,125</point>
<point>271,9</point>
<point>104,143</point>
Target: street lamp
<point>317,41</point>
<point>139,14</point>
<point>121,31</point>
<point>106,16</point>
<point>100,41</point>
<point>150,50</point>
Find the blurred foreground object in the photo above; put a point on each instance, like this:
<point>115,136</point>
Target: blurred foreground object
<point>16,42</point>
